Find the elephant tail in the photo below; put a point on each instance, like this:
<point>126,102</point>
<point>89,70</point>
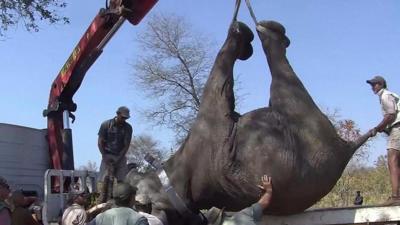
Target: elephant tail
<point>360,141</point>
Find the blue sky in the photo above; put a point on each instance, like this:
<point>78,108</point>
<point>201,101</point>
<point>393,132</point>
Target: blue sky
<point>335,47</point>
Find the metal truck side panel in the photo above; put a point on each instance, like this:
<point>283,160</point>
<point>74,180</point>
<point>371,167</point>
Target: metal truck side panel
<point>23,157</point>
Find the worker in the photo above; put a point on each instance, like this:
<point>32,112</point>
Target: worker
<point>5,212</point>
<point>114,139</point>
<point>122,214</point>
<point>250,215</point>
<point>21,215</point>
<point>76,214</point>
<point>390,124</point>
<point>358,200</point>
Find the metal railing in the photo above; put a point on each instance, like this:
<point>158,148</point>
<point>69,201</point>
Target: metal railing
<point>71,182</point>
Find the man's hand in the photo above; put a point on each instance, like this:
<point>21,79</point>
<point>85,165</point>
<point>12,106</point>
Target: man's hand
<point>372,132</point>
<point>266,183</point>
<point>266,186</point>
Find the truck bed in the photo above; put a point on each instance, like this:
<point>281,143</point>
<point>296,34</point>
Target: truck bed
<point>349,215</point>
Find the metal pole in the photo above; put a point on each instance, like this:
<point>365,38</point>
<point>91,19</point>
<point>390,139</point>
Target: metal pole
<point>110,34</point>
<point>66,119</point>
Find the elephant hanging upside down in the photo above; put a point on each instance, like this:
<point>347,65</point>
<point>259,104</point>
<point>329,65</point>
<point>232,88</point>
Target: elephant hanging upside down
<point>291,140</point>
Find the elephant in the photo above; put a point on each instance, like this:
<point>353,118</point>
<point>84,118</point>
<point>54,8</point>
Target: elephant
<point>225,153</point>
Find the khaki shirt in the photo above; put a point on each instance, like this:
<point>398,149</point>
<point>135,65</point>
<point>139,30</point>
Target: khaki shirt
<point>74,215</point>
<point>390,105</point>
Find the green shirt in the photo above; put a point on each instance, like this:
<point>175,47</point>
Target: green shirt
<point>119,216</point>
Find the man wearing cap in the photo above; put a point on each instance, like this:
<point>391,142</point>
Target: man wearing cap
<point>123,214</point>
<point>114,139</point>
<point>21,215</point>
<point>75,214</point>
<point>5,212</point>
<point>390,124</point>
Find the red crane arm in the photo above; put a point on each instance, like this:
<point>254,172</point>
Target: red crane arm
<point>69,79</point>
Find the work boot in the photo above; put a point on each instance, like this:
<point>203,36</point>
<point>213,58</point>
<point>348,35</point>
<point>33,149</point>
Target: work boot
<point>110,187</point>
<point>102,187</point>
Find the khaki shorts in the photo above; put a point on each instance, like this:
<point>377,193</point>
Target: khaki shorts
<point>394,139</point>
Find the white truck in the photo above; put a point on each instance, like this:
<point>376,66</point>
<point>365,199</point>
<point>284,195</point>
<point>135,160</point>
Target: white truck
<point>27,154</point>
<point>24,158</point>
<point>24,162</point>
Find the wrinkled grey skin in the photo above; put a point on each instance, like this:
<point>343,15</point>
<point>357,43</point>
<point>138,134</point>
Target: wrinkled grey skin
<point>225,154</point>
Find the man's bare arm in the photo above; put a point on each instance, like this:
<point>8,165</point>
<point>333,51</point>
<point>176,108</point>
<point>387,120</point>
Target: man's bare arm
<point>266,186</point>
<point>100,144</point>
<point>387,119</point>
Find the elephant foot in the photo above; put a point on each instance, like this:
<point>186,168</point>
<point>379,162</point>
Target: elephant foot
<point>272,31</point>
<point>244,36</point>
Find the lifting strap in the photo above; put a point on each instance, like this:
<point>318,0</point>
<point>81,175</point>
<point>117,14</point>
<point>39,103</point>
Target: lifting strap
<point>235,13</point>
<point>251,11</point>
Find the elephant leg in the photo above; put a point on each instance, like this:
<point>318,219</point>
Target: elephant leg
<point>218,96</point>
<point>287,94</point>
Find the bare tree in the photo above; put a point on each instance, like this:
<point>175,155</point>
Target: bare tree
<point>90,166</point>
<point>172,69</point>
<point>29,13</point>
<point>140,146</point>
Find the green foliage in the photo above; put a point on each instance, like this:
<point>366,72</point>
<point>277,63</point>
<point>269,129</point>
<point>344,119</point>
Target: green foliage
<point>30,13</point>
<point>372,182</point>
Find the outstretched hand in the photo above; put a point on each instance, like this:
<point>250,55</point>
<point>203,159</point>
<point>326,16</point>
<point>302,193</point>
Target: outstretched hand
<point>266,183</point>
<point>266,186</point>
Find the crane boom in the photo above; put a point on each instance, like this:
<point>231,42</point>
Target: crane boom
<point>61,105</point>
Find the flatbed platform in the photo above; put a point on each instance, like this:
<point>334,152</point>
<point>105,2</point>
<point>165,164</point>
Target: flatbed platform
<point>376,215</point>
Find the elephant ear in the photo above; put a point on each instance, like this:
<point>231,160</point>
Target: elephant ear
<point>245,36</point>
